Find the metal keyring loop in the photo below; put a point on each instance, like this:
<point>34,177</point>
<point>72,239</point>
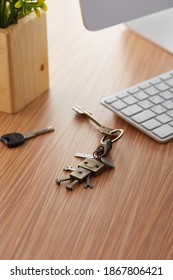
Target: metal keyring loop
<point>111,133</point>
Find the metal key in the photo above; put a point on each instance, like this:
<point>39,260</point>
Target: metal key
<point>83,155</point>
<point>104,160</point>
<point>16,139</point>
<point>103,129</point>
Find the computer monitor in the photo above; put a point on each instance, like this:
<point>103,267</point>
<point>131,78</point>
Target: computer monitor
<point>152,19</point>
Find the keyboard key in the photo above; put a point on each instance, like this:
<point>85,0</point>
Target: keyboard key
<point>111,99</point>
<point>171,123</point>
<point>166,76</point>
<point>170,113</point>
<point>122,94</point>
<point>158,109</point>
<point>144,85</point>
<point>166,94</point>
<point>163,131</point>
<point>131,110</point>
<point>155,81</point>
<point>151,91</point>
<point>162,86</point>
<point>130,100</point>
<point>168,104</point>
<point>145,104</point>
<point>143,116</point>
<point>140,95</point>
<point>170,82</point>
<point>156,99</point>
<point>151,124</point>
<point>133,89</point>
<point>118,105</point>
<point>164,118</point>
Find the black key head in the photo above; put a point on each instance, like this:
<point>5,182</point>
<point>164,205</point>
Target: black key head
<point>12,140</point>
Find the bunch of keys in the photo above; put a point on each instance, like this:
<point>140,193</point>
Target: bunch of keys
<point>15,139</point>
<point>94,164</point>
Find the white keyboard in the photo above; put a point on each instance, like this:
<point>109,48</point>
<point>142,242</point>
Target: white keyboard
<point>148,106</point>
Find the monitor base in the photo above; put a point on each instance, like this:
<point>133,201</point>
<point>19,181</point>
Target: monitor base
<point>157,28</point>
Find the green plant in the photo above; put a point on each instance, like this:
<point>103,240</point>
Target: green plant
<point>12,10</point>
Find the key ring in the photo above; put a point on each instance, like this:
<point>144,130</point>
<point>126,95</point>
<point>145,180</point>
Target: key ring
<point>103,149</point>
<point>111,133</point>
<point>106,143</point>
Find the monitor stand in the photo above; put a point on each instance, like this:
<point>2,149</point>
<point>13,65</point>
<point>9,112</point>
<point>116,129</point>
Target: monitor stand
<point>157,28</point>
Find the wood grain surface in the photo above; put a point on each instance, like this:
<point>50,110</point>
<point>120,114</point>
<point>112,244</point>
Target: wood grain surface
<point>129,212</point>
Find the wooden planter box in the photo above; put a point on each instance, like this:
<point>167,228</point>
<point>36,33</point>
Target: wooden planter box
<point>23,62</point>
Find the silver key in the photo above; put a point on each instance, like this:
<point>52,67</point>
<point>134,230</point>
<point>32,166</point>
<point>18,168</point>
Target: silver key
<point>32,134</point>
<point>83,155</point>
<point>101,128</point>
<point>16,139</point>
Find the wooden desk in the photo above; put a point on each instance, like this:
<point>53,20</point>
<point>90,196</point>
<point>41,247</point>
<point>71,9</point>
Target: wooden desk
<point>129,212</point>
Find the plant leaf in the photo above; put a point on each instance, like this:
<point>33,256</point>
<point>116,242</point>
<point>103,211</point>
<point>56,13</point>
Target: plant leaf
<point>19,4</point>
<point>37,12</point>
